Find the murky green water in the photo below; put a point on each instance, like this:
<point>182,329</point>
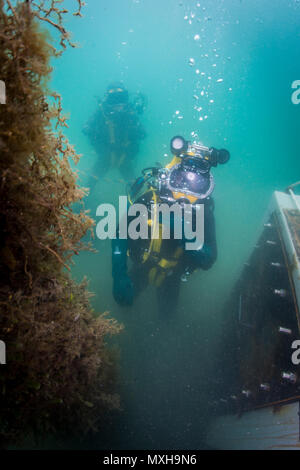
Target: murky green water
<point>246,56</point>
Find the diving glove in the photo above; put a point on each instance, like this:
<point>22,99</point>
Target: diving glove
<point>123,290</point>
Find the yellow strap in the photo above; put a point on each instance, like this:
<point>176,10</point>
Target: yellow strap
<point>155,243</point>
<point>167,263</point>
<point>156,277</point>
<point>157,274</point>
<point>177,160</point>
<point>173,162</point>
<point>178,195</point>
<point>155,221</point>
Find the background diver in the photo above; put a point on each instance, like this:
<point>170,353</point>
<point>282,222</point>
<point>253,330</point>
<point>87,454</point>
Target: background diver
<point>115,131</point>
<point>187,180</point>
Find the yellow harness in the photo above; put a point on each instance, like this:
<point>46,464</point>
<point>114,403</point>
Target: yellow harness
<point>163,266</point>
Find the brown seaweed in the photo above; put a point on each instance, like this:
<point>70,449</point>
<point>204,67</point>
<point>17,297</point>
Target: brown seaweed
<point>59,376</point>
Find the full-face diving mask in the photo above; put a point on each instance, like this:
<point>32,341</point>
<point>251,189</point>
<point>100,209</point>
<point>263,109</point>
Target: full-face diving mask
<point>188,175</point>
<point>187,178</point>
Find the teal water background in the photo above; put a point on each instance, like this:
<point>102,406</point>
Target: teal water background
<point>246,58</point>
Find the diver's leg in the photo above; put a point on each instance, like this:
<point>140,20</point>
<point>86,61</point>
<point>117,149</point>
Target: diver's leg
<point>168,293</point>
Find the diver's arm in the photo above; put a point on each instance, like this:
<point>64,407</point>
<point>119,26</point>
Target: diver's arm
<point>207,255</point>
<point>122,285</point>
<point>136,130</point>
<point>119,257</point>
<point>95,128</point>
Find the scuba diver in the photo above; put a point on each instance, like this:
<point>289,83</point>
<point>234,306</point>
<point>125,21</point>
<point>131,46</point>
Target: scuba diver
<point>115,131</point>
<point>187,181</point>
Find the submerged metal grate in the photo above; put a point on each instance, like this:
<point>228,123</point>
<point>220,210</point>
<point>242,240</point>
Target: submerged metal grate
<point>293,220</point>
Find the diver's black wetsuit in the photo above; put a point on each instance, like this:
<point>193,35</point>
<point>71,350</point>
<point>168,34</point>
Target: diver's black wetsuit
<point>138,277</point>
<point>115,135</point>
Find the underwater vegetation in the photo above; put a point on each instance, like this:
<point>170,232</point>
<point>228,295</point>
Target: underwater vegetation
<point>60,372</point>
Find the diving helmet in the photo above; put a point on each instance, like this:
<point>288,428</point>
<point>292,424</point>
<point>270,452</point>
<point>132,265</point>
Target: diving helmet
<point>188,176</point>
